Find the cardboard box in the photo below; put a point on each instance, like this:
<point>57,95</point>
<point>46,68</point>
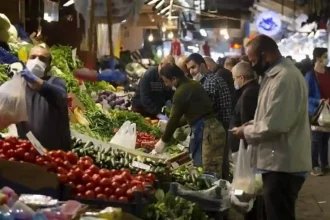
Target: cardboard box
<point>29,178</point>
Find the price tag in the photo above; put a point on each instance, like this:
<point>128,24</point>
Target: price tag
<point>175,165</point>
<point>36,143</point>
<point>74,55</point>
<point>181,147</point>
<point>141,165</point>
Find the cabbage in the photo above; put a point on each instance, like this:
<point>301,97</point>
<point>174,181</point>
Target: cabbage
<point>4,22</point>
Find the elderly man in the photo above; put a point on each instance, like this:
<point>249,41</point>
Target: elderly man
<point>248,88</point>
<point>152,95</point>
<point>46,101</point>
<point>280,133</point>
<point>214,85</point>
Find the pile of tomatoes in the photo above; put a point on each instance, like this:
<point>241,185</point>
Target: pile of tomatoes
<point>145,140</point>
<point>85,178</point>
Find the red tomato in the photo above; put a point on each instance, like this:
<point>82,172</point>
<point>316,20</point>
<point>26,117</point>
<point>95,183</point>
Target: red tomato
<point>94,169</point>
<point>61,170</point>
<point>123,199</point>
<point>72,157</point>
<point>2,156</point>
<point>10,153</point>
<point>130,194</point>
<point>140,178</point>
<point>113,197</point>
<point>119,179</point>
<point>62,177</point>
<point>67,164</point>
<point>86,178</point>
<point>19,153</point>
<point>78,172</point>
<point>90,186</point>
<point>136,183</point>
<point>98,190</point>
<point>96,179</point>
<point>126,174</point>
<point>113,172</point>
<point>89,172</point>
<point>90,194</point>
<point>87,158</point>
<point>120,192</point>
<point>60,154</point>
<point>137,189</point>
<point>124,186</point>
<point>81,188</point>
<point>115,185</point>
<point>6,146</point>
<point>101,196</point>
<point>142,173</point>
<point>59,162</point>
<point>105,182</point>
<point>71,176</point>
<point>108,191</point>
<point>12,159</point>
<point>80,195</point>
<point>40,161</point>
<point>151,176</point>
<point>105,173</point>
<point>28,157</point>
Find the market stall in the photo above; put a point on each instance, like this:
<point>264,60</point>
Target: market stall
<point>109,164</point>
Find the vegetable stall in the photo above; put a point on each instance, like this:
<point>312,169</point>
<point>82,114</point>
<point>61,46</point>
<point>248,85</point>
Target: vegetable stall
<point>97,172</point>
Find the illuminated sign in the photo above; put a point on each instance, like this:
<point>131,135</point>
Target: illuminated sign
<point>269,23</point>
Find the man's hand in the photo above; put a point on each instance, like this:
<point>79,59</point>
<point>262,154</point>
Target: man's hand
<point>159,147</point>
<point>238,131</point>
<point>29,76</point>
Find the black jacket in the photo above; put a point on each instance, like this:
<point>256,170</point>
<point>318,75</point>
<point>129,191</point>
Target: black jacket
<point>151,94</point>
<point>228,77</point>
<point>244,110</point>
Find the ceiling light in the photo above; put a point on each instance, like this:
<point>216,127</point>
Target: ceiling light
<point>165,9</point>
<point>68,3</point>
<point>151,38</point>
<point>160,4</point>
<point>203,32</point>
<point>152,2</point>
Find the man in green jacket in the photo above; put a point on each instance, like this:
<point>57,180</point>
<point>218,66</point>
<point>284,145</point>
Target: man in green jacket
<point>192,104</point>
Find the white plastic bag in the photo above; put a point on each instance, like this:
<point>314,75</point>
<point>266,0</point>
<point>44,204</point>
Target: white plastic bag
<point>244,176</point>
<point>324,118</point>
<point>125,136</point>
<point>12,102</point>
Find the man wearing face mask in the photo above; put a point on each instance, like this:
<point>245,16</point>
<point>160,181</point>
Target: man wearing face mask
<point>191,104</point>
<point>248,88</point>
<point>46,101</point>
<point>280,132</point>
<point>318,81</point>
<point>215,86</point>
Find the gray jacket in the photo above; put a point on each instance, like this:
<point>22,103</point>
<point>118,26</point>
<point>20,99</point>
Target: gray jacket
<point>280,133</point>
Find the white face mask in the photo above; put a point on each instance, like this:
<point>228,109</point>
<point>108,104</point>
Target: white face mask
<point>236,86</point>
<point>36,66</point>
<point>173,88</point>
<point>325,62</point>
<point>197,77</point>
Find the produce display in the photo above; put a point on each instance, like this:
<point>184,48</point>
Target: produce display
<point>115,158</point>
<point>190,179</point>
<point>86,179</point>
<point>168,206</point>
<point>145,141</point>
<point>108,99</point>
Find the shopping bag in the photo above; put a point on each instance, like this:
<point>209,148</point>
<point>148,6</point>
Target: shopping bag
<point>244,176</point>
<point>315,116</point>
<point>125,136</point>
<point>12,102</point>
<point>324,118</point>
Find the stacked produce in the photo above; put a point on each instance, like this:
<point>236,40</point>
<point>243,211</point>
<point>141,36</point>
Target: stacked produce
<point>8,32</point>
<point>86,179</point>
<point>145,141</point>
<point>115,158</point>
<point>109,99</point>
<point>3,73</point>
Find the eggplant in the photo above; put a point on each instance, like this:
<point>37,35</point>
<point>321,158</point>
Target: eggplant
<point>112,104</point>
<point>103,96</point>
<point>108,93</point>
